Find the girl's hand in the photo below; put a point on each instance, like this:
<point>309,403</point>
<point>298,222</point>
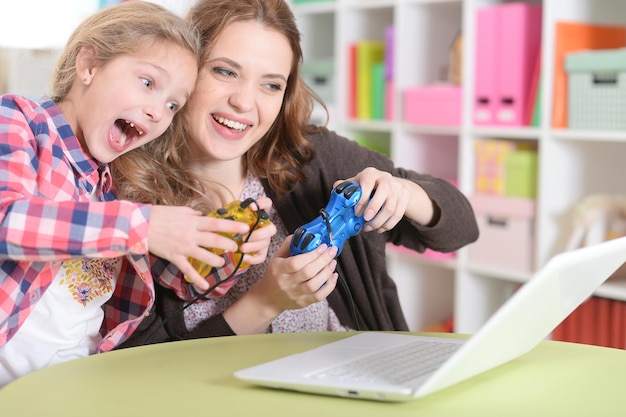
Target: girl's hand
<point>177,233</point>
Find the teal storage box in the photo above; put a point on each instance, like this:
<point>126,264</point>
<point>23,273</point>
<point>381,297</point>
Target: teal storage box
<point>319,74</point>
<point>597,89</point>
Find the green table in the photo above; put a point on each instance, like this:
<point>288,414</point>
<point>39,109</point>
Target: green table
<point>194,378</point>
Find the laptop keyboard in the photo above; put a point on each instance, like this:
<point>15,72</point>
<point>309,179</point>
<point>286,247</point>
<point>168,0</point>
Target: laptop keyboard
<point>393,365</point>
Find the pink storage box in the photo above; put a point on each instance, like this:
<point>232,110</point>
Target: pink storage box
<point>506,238</point>
<point>433,105</point>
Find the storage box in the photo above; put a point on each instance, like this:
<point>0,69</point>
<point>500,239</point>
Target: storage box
<point>521,174</point>
<point>433,105</point>
<point>506,233</point>
<point>490,167</point>
<point>597,89</point>
<point>319,74</point>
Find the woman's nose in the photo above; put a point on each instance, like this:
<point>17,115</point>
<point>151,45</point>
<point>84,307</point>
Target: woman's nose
<point>242,98</point>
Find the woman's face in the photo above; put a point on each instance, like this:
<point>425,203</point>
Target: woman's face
<point>239,92</point>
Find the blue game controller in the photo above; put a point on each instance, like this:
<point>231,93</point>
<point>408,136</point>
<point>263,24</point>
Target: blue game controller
<point>335,224</point>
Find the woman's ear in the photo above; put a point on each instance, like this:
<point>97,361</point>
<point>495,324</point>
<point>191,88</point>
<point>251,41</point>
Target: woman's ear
<point>86,64</point>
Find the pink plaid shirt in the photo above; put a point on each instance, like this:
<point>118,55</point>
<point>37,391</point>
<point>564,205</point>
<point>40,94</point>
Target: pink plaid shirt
<point>47,216</point>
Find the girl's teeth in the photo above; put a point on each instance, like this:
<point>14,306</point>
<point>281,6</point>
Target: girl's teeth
<point>131,124</point>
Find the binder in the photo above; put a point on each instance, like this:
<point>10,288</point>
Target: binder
<point>484,78</point>
<point>519,35</point>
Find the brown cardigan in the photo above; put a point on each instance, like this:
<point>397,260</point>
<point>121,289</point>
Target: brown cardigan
<point>362,261</point>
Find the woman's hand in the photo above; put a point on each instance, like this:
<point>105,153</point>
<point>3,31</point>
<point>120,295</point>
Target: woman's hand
<point>289,282</point>
<point>386,199</point>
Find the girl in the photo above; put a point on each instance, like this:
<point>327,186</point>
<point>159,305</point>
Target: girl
<point>247,129</point>
<point>124,74</point>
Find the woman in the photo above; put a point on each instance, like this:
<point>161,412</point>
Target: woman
<point>245,133</point>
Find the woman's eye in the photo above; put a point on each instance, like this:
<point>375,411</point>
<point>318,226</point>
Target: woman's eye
<point>147,82</point>
<point>224,71</point>
<point>275,87</point>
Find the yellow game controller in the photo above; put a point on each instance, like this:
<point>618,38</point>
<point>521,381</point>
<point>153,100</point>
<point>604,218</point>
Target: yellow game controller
<point>238,211</point>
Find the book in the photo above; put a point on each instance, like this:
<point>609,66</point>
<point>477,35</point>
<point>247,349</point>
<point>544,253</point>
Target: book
<point>367,54</point>
<point>389,41</point>
<point>618,324</point>
<point>389,99</point>
<point>603,321</point>
<point>378,91</point>
<point>351,96</point>
<point>532,113</point>
<point>535,120</point>
<point>571,37</point>
<point>588,322</point>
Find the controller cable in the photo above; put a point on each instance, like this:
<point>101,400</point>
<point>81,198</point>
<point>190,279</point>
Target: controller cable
<point>342,279</point>
<point>210,289</point>
<point>201,296</point>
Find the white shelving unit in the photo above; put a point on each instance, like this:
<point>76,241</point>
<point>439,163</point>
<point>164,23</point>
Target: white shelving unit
<point>573,164</point>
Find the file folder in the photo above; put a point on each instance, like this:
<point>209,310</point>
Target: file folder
<point>484,80</point>
<point>519,33</point>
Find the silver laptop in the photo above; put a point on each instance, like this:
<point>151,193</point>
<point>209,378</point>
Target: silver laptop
<point>526,319</point>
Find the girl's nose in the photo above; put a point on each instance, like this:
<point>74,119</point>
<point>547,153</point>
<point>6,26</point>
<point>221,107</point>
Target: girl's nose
<point>154,111</point>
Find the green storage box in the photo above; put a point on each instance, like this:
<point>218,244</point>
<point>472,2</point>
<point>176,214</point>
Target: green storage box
<point>597,89</point>
<point>521,174</point>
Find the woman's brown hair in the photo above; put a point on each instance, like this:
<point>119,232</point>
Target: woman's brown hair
<point>278,157</point>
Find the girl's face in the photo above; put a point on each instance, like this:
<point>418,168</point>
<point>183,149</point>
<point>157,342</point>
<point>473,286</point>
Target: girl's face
<point>130,100</point>
<point>239,92</point>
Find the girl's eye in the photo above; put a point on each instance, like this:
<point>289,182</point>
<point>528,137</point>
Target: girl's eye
<point>173,107</point>
<point>147,82</point>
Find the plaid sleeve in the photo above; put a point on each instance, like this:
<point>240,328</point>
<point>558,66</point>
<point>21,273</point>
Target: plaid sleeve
<point>43,216</point>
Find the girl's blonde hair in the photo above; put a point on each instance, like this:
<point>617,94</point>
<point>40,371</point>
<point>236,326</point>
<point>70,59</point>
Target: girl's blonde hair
<point>121,29</point>
<point>279,157</point>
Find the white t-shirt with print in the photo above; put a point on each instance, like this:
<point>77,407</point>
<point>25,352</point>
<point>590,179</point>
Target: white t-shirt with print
<point>65,323</point>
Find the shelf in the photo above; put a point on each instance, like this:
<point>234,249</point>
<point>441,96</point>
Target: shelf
<point>421,259</point>
<point>371,125</point>
<point>314,8</point>
<point>502,274</point>
<point>431,130</point>
<point>614,288</point>
<point>369,4</point>
<point>589,135</point>
<point>506,132</point>
<point>573,163</point>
